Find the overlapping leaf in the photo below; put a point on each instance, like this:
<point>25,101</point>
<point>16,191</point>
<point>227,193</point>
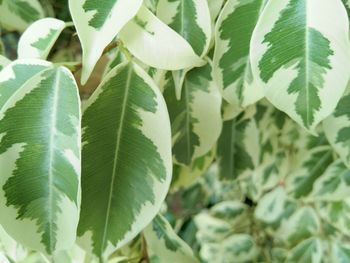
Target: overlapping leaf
<point>297,57</point>
<point>124,184</point>
<point>19,14</point>
<point>98,24</point>
<point>196,118</point>
<point>156,44</point>
<point>39,38</point>
<point>39,154</point>
<point>231,56</point>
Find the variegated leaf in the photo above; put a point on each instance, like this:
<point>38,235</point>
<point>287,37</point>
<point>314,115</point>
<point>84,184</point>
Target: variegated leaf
<point>165,244</point>
<point>125,184</point>
<point>308,251</point>
<point>300,182</point>
<point>231,56</point>
<point>337,129</point>
<point>238,248</point>
<point>333,184</point>
<point>19,14</point>
<point>238,148</point>
<point>297,57</point>
<point>4,62</point>
<point>214,9</point>
<point>39,155</point>
<point>347,6</point>
<point>196,118</point>
<point>190,19</point>
<point>98,24</point>
<point>304,223</point>
<point>271,206</point>
<point>156,44</point>
<point>39,38</point>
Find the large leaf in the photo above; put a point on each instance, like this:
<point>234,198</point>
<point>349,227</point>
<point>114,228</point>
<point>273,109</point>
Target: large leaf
<point>39,155</point>
<point>164,244</point>
<point>156,44</point>
<point>233,32</point>
<point>126,182</point>
<point>39,38</point>
<point>19,14</point>
<point>98,24</point>
<point>196,117</point>
<point>300,59</point>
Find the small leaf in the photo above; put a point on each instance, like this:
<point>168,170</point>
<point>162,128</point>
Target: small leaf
<point>39,38</point>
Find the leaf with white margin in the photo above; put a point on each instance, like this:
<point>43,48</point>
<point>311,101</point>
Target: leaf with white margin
<point>163,242</point>
<point>98,24</point>
<point>190,19</point>
<point>215,9</point>
<point>308,251</point>
<point>196,118</point>
<point>39,38</point>
<point>19,14</point>
<point>4,62</point>
<point>40,153</point>
<point>229,211</point>
<point>12,249</point>
<point>334,184</point>
<point>236,248</point>
<point>271,206</point>
<point>337,129</point>
<point>126,183</point>
<point>347,6</point>
<point>16,75</point>
<point>233,33</point>
<point>304,223</point>
<point>298,52</point>
<point>156,44</point>
<point>300,182</point>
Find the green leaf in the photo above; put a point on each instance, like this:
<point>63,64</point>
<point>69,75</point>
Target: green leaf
<point>126,183</point>
<point>163,242</point>
<point>98,24</point>
<point>39,38</point>
<point>40,153</point>
<point>233,33</point>
<point>297,57</point>
<point>196,118</point>
<point>156,44</point>
<point>19,14</point>
<point>340,253</point>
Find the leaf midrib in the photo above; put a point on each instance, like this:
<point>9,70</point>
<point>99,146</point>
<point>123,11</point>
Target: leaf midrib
<point>116,155</point>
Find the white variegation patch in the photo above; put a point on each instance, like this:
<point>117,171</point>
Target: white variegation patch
<point>157,45</point>
<point>95,36</point>
<point>39,38</point>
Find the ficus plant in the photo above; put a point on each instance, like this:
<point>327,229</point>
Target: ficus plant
<point>174,131</point>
